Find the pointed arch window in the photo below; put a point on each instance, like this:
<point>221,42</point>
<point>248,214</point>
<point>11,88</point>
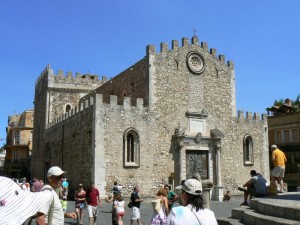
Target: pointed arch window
<point>131,146</point>
<point>248,150</point>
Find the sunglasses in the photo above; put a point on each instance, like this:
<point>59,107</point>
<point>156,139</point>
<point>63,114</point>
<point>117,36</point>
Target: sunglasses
<point>58,177</point>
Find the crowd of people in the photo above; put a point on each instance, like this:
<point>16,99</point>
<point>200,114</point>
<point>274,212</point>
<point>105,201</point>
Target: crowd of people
<point>50,201</point>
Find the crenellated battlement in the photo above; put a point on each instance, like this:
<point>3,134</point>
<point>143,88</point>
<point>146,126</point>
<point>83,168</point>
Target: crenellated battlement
<point>249,116</point>
<point>88,102</point>
<point>68,77</point>
<point>164,47</point>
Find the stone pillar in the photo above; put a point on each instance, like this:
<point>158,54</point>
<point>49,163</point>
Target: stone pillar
<point>180,166</point>
<point>218,189</point>
<point>206,188</point>
<point>206,197</point>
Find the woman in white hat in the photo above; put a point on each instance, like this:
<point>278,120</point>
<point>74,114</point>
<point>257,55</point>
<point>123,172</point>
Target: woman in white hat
<point>192,210</point>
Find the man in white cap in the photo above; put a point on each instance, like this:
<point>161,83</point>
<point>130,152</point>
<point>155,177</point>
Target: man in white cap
<point>192,210</point>
<point>51,212</point>
<point>277,173</point>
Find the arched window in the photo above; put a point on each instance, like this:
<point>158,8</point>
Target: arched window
<point>248,150</point>
<point>68,108</point>
<point>131,146</point>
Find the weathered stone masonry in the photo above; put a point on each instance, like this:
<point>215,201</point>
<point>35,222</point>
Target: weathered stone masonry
<point>179,102</point>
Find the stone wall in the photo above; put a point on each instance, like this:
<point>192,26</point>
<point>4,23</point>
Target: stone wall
<point>71,141</point>
<point>234,172</point>
<point>130,83</point>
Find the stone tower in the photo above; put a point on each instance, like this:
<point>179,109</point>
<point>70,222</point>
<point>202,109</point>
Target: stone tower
<point>56,95</point>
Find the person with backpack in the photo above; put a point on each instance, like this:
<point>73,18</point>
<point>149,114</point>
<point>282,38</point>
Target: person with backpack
<point>160,207</point>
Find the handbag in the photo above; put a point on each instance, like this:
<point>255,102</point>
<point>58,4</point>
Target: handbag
<point>195,215</point>
<point>156,205</point>
<point>129,205</point>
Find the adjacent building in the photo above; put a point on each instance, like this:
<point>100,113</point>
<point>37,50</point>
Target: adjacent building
<point>284,126</point>
<point>19,145</point>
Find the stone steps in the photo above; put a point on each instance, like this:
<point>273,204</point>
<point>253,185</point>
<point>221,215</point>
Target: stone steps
<point>264,211</point>
<point>229,221</point>
<point>287,209</point>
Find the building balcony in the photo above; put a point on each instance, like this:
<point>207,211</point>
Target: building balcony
<point>19,142</point>
<point>16,162</point>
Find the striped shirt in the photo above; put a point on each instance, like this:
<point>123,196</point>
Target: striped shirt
<point>16,205</point>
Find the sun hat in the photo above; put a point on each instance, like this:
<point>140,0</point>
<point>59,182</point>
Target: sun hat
<point>55,171</point>
<point>192,186</point>
<point>16,205</point>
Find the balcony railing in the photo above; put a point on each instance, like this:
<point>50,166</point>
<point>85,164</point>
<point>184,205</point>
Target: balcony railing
<point>18,142</point>
<point>16,162</point>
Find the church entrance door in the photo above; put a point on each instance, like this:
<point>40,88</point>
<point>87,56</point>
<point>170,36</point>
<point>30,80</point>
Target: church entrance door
<point>197,162</point>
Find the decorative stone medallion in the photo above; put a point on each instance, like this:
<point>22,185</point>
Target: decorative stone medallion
<point>198,138</point>
<point>195,62</point>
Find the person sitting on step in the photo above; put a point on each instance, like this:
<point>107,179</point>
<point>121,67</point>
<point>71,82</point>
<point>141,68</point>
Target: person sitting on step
<point>255,187</point>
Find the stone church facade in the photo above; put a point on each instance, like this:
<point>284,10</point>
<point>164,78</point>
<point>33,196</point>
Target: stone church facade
<point>168,116</point>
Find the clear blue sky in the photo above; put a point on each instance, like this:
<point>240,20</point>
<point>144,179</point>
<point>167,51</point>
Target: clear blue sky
<point>106,37</point>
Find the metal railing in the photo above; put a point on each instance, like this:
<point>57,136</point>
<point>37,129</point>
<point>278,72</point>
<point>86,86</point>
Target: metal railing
<point>18,141</point>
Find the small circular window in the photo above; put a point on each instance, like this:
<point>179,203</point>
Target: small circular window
<point>195,62</point>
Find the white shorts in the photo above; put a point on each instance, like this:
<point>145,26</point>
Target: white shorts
<point>278,171</point>
<point>135,213</point>
<point>92,210</point>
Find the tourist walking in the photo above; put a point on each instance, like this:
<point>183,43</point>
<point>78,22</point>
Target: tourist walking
<point>172,197</point>
<point>160,208</point>
<point>136,203</point>
<point>93,200</point>
<point>277,174</point>
<point>37,185</point>
<point>111,199</point>
<point>192,210</point>
<point>63,196</point>
<point>80,203</point>
<point>119,205</point>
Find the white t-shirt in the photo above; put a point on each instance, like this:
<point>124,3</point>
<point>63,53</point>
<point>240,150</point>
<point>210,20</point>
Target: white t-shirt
<point>182,215</point>
<point>58,214</point>
<point>119,206</point>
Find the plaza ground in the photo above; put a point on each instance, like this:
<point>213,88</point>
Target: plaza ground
<point>221,209</point>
